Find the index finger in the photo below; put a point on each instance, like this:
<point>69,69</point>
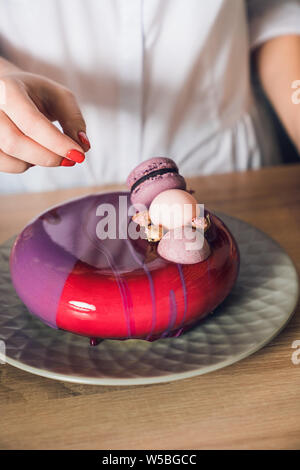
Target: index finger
<point>32,122</point>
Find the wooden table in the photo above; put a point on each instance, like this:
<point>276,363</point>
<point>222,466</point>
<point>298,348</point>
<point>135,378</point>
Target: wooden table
<point>252,404</point>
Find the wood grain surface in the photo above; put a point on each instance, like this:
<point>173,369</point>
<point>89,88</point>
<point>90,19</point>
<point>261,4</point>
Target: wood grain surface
<point>252,404</point>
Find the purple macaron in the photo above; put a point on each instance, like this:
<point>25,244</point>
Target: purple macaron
<point>152,177</point>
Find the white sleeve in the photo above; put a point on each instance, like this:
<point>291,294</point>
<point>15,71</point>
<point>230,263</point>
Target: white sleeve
<point>271,18</point>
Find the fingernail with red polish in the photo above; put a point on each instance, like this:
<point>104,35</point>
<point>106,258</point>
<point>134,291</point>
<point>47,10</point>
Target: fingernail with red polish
<point>76,156</point>
<point>66,162</point>
<point>84,138</point>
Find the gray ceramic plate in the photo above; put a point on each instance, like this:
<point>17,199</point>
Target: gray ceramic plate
<point>259,306</point>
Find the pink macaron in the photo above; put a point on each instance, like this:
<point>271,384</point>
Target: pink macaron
<point>152,177</point>
<point>184,245</point>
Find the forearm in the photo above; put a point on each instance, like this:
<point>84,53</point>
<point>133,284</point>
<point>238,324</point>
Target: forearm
<point>278,64</point>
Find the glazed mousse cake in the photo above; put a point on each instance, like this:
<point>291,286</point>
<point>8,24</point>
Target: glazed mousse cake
<point>73,276</point>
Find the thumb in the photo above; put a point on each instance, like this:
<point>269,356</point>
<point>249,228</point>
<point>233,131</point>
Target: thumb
<point>66,111</point>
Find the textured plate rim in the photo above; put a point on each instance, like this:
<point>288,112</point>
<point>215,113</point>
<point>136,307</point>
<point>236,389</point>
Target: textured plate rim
<point>169,377</point>
<point>147,380</point>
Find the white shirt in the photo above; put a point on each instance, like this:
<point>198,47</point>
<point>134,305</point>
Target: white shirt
<point>152,77</point>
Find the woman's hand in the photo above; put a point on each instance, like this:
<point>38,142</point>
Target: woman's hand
<point>28,104</point>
